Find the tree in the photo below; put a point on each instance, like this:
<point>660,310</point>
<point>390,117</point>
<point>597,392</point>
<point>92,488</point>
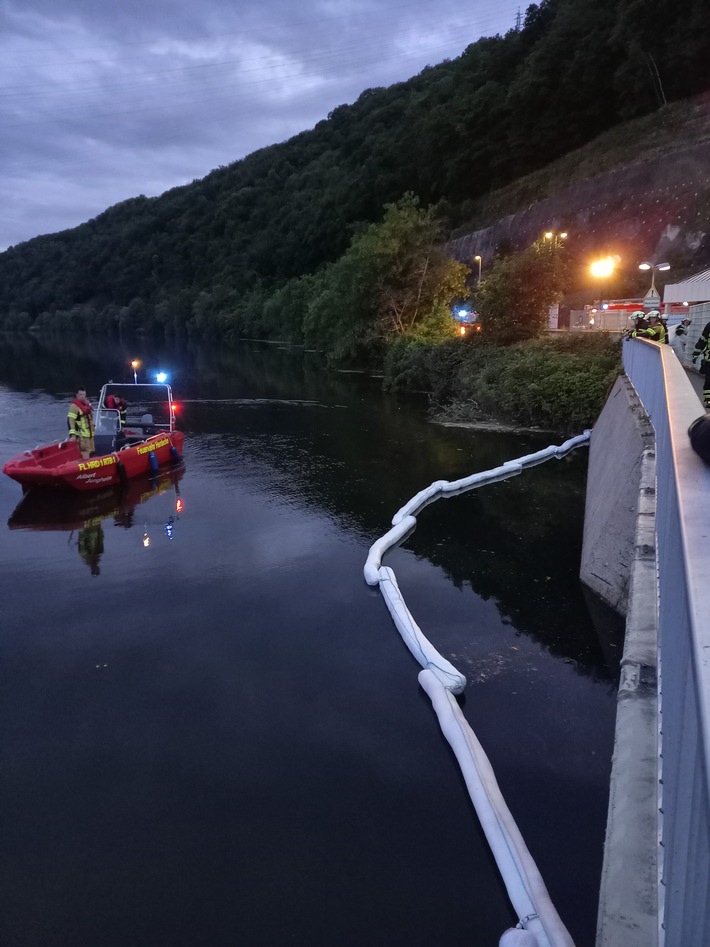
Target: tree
<point>507,106</point>
<point>514,299</point>
<point>394,281</point>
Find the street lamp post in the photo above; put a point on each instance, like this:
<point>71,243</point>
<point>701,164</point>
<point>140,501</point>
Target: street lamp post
<point>479,260</point>
<point>555,239</point>
<point>654,268</point>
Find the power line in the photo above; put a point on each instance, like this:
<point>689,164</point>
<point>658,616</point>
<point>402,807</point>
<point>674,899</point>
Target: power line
<point>260,72</point>
<point>475,25</point>
<point>487,16</point>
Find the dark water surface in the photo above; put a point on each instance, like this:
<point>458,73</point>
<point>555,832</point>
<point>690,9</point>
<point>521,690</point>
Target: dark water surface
<point>218,738</point>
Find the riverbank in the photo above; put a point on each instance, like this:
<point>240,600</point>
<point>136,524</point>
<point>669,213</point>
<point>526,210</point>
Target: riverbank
<point>555,383</point>
<point>498,426</point>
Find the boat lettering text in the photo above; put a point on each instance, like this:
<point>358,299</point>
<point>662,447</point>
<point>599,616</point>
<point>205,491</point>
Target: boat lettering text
<point>94,479</point>
<point>99,462</point>
<point>154,445</point>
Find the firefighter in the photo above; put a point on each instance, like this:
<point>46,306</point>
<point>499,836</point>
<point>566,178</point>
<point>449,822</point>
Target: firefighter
<point>80,420</point>
<point>680,338</point>
<point>638,322</point>
<point>656,331</point>
<point>118,404</point>
<point>702,348</point>
<point>664,322</point>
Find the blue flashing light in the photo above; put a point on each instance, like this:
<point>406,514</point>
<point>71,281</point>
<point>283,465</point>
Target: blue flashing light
<point>161,377</point>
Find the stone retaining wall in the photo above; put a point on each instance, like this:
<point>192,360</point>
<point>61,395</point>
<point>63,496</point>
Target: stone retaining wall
<point>618,441</point>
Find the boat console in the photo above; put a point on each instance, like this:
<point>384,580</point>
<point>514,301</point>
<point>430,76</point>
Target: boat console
<point>149,410</point>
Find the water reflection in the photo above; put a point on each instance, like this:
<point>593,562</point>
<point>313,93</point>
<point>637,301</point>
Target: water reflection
<point>152,732</point>
<point>84,513</point>
<point>338,444</point>
<point>90,544</point>
<point>516,542</point>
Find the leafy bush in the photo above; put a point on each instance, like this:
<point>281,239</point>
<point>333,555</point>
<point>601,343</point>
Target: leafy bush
<point>558,382</point>
<point>514,299</point>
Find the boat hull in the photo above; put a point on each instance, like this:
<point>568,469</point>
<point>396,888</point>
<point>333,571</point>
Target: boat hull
<point>55,510</point>
<point>61,464</point>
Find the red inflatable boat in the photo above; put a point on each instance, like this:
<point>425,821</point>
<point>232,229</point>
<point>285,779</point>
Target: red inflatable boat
<point>142,442</point>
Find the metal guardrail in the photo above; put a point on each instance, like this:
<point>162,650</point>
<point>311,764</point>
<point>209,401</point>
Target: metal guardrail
<point>683,556</point>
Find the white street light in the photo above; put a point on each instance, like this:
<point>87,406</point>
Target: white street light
<point>556,239</point>
<point>654,268</point>
<point>478,260</point>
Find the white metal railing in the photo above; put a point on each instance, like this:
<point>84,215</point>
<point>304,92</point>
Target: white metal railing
<point>683,556</point>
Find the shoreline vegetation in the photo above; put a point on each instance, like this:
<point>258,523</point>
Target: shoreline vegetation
<point>554,383</point>
<point>340,238</point>
<point>387,305</point>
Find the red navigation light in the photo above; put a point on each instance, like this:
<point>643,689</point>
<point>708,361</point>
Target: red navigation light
<point>174,407</point>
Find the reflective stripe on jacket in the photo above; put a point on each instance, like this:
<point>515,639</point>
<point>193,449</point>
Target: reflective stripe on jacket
<point>654,333</point>
<point>80,418</point>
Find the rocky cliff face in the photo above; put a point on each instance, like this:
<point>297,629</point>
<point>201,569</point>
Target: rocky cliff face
<point>656,208</point>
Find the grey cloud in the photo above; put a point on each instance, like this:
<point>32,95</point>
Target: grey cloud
<point>99,103</point>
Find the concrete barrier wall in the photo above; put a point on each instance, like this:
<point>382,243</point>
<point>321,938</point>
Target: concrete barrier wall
<point>616,448</point>
<point>628,891</point>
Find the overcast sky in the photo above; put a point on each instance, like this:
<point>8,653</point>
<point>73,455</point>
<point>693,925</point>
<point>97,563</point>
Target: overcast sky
<point>100,102</point>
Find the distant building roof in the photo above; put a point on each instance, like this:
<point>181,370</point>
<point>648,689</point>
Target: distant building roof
<point>695,289</point>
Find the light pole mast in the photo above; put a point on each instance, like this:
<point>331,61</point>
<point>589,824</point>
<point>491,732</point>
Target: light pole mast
<point>653,293</point>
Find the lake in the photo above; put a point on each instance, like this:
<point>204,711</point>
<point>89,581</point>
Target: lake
<point>212,732</point>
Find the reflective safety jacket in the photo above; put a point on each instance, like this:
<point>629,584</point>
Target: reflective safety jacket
<point>80,419</point>
<point>701,346</point>
<point>118,404</point>
<point>655,333</point>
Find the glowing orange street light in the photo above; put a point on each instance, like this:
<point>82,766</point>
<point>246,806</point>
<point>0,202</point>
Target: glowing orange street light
<point>479,260</point>
<point>135,365</point>
<point>602,269</point>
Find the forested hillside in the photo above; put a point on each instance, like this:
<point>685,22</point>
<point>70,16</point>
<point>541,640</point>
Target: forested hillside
<point>216,251</point>
<point>639,191</point>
